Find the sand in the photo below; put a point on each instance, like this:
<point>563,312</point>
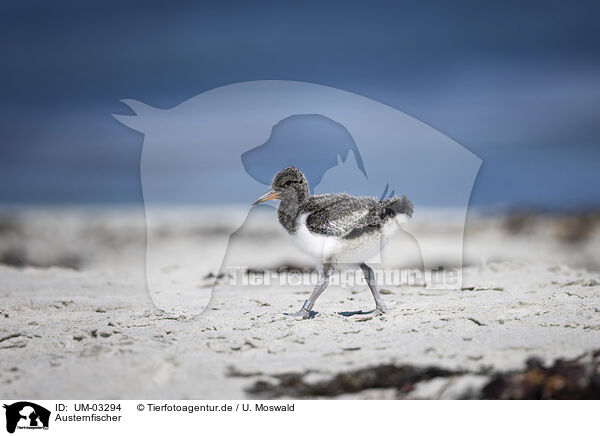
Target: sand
<point>77,320</point>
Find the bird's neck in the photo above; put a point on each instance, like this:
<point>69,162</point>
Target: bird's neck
<point>289,208</point>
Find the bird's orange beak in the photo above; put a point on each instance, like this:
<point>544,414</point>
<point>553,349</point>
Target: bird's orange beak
<point>270,195</point>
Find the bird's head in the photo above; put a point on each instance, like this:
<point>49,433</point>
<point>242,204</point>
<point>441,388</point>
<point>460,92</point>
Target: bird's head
<point>287,183</point>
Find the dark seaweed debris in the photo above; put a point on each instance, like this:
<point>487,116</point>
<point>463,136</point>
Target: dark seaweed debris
<point>569,227</point>
<point>577,379</point>
<point>403,378</point>
<point>564,380</point>
<point>283,268</point>
<point>18,258</point>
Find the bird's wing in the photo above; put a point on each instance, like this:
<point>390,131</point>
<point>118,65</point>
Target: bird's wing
<point>340,214</point>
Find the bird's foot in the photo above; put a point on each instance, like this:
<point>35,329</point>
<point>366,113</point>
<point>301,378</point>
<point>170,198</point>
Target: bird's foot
<point>301,314</point>
<point>379,310</point>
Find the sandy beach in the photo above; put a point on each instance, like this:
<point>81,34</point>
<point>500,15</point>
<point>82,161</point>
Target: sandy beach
<point>77,319</point>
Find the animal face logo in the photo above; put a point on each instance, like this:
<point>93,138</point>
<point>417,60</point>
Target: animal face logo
<point>225,145</point>
<point>26,415</point>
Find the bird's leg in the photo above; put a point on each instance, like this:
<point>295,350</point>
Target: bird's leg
<point>304,312</point>
<point>370,278</point>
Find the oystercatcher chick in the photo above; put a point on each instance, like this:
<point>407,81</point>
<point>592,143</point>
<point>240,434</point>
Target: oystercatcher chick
<point>335,228</point>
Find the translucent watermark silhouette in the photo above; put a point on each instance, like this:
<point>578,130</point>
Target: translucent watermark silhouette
<point>392,277</point>
<point>225,145</point>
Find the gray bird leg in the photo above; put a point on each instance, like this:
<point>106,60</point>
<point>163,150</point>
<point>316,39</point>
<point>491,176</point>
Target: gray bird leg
<point>370,278</point>
<point>304,312</point>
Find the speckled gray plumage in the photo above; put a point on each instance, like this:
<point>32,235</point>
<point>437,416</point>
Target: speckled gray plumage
<point>336,215</point>
<point>342,215</point>
<point>292,187</point>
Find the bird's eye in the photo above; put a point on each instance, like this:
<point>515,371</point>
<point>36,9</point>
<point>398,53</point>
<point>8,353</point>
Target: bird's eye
<point>288,183</point>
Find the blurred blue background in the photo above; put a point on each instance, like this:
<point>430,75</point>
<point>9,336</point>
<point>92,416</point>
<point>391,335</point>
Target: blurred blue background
<point>517,83</point>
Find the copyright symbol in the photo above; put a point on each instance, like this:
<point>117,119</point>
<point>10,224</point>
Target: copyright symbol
<point>140,407</point>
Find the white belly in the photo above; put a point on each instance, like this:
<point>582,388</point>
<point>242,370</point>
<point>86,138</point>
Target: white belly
<point>329,249</point>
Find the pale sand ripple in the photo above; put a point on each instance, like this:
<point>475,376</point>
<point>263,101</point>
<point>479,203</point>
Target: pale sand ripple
<point>95,333</point>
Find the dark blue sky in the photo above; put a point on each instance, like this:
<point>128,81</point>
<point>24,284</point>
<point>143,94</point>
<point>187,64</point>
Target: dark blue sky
<point>517,83</point>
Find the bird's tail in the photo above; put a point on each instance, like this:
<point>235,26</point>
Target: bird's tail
<point>395,206</point>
